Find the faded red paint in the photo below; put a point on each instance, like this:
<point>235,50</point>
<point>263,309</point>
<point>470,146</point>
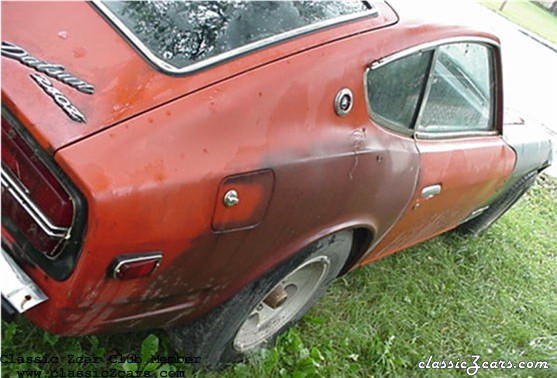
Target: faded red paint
<point>152,180</point>
<point>469,171</point>
<point>125,84</point>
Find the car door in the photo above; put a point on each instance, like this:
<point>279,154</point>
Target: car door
<point>463,159</point>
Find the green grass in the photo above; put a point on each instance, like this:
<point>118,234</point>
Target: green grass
<point>530,16</point>
<point>493,295</point>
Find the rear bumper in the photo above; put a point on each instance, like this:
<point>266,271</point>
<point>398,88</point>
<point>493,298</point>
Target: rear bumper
<point>8,311</point>
<point>19,292</point>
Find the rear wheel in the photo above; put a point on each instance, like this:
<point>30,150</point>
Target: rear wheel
<point>282,304</point>
<point>254,317</point>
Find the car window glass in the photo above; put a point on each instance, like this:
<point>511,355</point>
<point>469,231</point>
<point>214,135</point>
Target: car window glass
<point>394,90</point>
<point>184,32</point>
<point>461,93</point>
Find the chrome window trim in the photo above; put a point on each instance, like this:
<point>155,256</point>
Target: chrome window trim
<point>34,212</point>
<point>428,46</point>
<point>454,134</point>
<point>173,70</point>
<point>425,95</point>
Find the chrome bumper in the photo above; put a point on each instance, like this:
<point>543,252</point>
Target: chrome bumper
<point>17,287</point>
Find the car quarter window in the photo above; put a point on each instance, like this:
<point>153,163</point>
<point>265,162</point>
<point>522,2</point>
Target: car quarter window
<point>460,96</point>
<point>181,33</point>
<point>394,90</point>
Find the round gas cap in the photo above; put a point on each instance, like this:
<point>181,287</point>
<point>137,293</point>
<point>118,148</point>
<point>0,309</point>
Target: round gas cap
<point>343,102</point>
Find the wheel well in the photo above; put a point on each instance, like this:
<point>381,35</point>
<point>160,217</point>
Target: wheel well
<point>362,240</point>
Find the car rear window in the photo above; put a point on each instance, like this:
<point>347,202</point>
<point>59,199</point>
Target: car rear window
<point>183,33</point>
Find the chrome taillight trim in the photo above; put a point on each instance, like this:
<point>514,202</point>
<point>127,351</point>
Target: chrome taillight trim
<point>429,46</point>
<point>61,263</point>
<point>20,195</point>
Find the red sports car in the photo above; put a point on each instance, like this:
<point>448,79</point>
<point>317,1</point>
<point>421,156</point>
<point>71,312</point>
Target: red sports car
<point>210,167</point>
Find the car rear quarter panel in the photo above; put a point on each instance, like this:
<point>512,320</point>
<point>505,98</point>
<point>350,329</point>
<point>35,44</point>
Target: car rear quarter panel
<point>151,183</point>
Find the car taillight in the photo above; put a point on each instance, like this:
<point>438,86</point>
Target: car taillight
<point>33,200</point>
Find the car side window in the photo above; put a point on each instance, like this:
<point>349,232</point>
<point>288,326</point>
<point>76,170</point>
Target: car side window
<point>395,88</point>
<point>461,92</point>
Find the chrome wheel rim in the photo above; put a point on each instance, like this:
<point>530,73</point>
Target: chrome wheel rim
<point>264,321</point>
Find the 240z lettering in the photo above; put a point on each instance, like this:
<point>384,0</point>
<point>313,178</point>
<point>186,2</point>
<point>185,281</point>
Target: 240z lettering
<point>59,98</point>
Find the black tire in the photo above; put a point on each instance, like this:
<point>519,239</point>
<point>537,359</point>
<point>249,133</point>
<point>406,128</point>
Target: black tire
<point>499,206</point>
<point>214,337</point>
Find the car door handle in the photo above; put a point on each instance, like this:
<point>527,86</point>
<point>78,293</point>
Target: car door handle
<point>431,191</point>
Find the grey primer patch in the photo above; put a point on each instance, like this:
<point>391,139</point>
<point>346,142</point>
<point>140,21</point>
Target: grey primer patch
<point>59,98</point>
<point>56,71</point>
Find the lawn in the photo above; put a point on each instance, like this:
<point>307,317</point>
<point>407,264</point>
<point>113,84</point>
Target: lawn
<point>527,15</point>
<point>452,297</point>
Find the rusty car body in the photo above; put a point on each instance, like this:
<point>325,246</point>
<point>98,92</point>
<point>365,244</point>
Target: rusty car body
<point>139,192</point>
